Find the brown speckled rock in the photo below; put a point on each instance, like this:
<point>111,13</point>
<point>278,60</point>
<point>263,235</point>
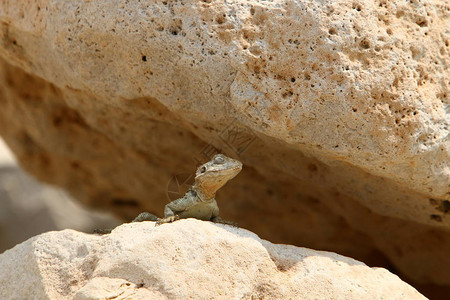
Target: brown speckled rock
<point>188,259</point>
<point>337,111</point>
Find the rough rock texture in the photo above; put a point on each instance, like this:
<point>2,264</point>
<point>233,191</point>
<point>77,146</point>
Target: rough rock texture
<point>188,259</point>
<point>337,111</point>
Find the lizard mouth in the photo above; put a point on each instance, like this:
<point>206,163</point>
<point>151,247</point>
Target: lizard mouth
<point>227,172</point>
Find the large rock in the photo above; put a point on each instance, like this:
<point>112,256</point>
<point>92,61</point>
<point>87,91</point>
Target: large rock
<point>336,110</point>
<point>188,259</point>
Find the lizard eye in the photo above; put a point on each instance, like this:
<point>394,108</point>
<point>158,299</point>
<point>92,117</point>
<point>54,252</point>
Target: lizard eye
<point>219,160</point>
<point>203,170</point>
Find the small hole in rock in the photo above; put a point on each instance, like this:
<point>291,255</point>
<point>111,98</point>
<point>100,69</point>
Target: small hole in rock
<point>364,44</point>
<point>436,218</point>
<point>422,23</point>
<point>356,6</point>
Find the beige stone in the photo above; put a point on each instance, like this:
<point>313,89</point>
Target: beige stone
<point>345,102</point>
<point>189,259</point>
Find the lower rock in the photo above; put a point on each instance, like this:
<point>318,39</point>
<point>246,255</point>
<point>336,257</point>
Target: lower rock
<point>185,259</point>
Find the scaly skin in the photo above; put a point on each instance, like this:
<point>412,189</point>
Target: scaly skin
<point>199,201</point>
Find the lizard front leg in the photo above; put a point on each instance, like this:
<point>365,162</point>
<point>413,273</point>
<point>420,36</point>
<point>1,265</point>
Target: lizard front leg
<point>170,212</point>
<point>167,220</point>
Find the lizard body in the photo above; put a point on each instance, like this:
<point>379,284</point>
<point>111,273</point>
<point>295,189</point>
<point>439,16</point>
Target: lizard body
<point>199,201</point>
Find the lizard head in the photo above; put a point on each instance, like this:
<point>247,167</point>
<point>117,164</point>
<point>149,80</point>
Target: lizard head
<point>214,174</point>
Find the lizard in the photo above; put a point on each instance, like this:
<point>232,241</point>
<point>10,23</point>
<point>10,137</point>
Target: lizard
<point>199,201</point>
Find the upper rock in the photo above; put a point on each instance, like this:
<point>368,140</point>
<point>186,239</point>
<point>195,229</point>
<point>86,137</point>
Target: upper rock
<point>183,260</point>
<point>357,81</point>
<point>336,109</point>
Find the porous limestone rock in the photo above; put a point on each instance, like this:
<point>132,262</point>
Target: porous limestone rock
<point>188,259</point>
<point>336,109</point>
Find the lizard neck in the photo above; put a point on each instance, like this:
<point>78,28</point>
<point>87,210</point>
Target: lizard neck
<point>204,194</point>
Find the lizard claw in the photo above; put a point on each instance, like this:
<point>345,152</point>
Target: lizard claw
<point>167,220</point>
